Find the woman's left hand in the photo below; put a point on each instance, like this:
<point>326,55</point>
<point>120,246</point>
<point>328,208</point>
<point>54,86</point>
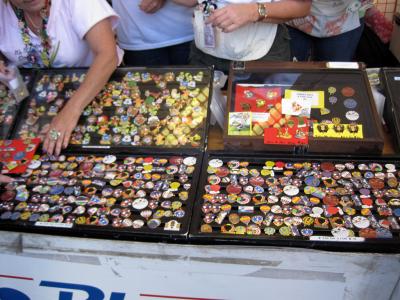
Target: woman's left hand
<point>61,127</point>
<point>5,179</point>
<point>233,16</point>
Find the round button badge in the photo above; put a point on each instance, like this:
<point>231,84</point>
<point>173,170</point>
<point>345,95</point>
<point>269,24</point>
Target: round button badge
<point>352,115</point>
<point>190,161</point>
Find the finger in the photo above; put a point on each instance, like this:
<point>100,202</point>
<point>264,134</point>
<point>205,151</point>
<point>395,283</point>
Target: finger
<point>50,148</point>
<point>66,139</point>
<point>220,18</point>
<point>59,144</point>
<point>5,179</point>
<point>230,28</point>
<point>225,24</point>
<point>46,142</point>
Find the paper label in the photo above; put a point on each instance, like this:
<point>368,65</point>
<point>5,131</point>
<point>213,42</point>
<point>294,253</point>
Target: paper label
<point>341,131</point>
<point>397,78</point>
<point>54,224</point>
<point>209,36</point>
<point>342,65</point>
<point>259,117</point>
<point>13,83</point>
<point>96,147</point>
<point>294,107</point>
<point>336,239</point>
<point>316,97</point>
<point>239,123</point>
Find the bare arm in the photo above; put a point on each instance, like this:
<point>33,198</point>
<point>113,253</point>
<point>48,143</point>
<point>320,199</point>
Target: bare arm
<point>234,16</point>
<point>102,42</point>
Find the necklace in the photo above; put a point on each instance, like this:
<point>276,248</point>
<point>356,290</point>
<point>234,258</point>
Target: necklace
<point>46,58</point>
<point>35,26</point>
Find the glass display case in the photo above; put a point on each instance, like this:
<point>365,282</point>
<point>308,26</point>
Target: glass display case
<point>301,108</point>
<point>316,202</point>
<point>138,108</point>
<point>126,196</point>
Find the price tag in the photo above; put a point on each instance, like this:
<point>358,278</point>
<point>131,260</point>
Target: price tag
<point>342,65</point>
<point>54,224</point>
<point>336,239</point>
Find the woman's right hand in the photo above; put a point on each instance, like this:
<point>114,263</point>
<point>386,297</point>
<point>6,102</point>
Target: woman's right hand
<point>233,16</point>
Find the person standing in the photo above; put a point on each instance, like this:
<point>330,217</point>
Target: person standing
<point>330,32</point>
<point>154,32</point>
<point>242,30</point>
<point>62,33</point>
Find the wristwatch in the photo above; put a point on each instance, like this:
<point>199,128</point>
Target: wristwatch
<point>262,11</point>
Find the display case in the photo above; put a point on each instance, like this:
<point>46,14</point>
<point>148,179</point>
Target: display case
<point>390,81</point>
<point>317,202</point>
<point>9,107</point>
<point>153,119</point>
<point>139,196</point>
<point>301,108</point>
<point>51,89</point>
<point>139,108</point>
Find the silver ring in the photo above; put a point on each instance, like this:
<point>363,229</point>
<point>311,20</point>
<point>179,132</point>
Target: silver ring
<point>54,134</point>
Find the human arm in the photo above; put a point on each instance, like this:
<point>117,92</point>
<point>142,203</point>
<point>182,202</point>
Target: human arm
<point>151,6</point>
<point>101,41</point>
<point>234,16</point>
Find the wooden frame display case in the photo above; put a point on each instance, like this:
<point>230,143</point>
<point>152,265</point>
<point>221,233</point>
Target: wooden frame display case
<point>278,106</point>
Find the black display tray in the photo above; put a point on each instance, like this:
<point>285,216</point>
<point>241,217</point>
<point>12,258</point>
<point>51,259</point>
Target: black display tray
<point>158,233</point>
<point>390,81</point>
<point>98,114</point>
<point>325,243</point>
<point>12,111</point>
<point>38,105</point>
<point>151,87</point>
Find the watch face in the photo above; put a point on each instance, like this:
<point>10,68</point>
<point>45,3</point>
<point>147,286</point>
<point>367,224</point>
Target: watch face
<point>261,10</point>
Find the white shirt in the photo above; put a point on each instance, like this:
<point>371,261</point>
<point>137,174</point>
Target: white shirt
<point>249,42</point>
<point>68,23</point>
<point>170,25</point>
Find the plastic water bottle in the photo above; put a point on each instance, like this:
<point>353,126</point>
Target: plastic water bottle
<point>12,78</point>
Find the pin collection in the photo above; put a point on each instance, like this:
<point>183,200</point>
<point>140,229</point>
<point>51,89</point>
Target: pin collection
<point>300,199</point>
<point>148,193</point>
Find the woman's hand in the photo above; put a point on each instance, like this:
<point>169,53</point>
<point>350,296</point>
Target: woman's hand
<point>101,41</point>
<point>234,16</point>
<point>151,6</point>
<point>61,127</point>
<point>5,179</point>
